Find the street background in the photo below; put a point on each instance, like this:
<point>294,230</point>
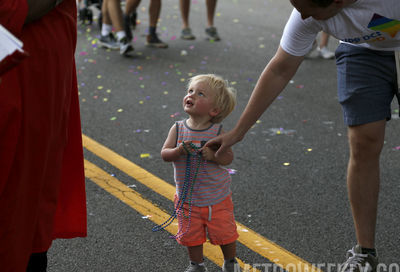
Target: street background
<point>289,183</point>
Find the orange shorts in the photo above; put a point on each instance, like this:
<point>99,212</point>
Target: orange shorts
<point>217,222</point>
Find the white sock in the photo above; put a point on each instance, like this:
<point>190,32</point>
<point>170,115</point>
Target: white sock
<point>106,29</point>
<point>120,35</point>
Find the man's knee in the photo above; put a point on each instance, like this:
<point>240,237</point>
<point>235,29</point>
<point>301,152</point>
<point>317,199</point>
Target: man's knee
<point>366,141</point>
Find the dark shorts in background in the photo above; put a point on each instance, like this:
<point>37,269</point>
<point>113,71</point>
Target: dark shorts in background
<point>367,83</point>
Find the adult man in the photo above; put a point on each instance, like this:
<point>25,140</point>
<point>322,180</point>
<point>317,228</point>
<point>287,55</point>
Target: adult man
<point>42,182</point>
<point>369,31</point>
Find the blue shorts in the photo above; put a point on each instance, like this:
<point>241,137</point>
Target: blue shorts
<point>367,83</point>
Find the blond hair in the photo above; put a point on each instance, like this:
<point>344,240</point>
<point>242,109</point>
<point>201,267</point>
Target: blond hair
<point>225,96</point>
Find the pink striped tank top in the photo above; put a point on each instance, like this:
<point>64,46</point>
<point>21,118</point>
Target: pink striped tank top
<point>212,184</point>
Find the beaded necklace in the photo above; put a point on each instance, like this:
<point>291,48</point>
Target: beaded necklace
<point>193,161</point>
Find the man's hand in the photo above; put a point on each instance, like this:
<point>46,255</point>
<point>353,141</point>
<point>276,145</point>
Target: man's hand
<point>222,143</point>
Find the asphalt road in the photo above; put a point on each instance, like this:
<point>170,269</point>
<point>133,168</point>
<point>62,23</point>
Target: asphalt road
<point>289,184</point>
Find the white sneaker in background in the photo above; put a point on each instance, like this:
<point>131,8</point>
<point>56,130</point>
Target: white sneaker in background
<point>325,53</point>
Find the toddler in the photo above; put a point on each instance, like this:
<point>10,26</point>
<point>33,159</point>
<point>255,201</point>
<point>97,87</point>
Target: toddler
<point>206,202</point>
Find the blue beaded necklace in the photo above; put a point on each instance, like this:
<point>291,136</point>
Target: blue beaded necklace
<point>187,187</point>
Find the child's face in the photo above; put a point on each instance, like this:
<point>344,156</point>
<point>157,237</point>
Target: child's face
<point>200,100</point>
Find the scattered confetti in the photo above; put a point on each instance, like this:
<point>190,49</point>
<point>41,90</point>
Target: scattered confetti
<point>175,114</point>
<point>280,131</point>
<point>286,163</point>
<point>144,155</point>
<point>232,171</point>
<point>397,148</point>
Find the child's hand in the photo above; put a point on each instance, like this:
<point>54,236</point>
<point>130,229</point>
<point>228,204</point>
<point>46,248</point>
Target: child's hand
<point>183,150</point>
<point>208,153</point>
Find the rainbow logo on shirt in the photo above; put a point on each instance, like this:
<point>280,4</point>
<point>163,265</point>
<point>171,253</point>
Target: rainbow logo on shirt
<point>383,24</point>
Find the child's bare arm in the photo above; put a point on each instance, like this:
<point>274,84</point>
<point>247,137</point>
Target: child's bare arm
<point>169,151</point>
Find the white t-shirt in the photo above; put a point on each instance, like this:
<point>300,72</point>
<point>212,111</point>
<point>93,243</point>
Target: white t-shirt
<point>373,24</point>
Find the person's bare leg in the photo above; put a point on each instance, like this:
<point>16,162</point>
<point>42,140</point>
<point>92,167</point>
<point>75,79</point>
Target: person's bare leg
<point>196,253</point>
<point>211,6</point>
<point>115,13</point>
<point>131,6</point>
<point>154,12</point>
<point>184,7</point>
<point>229,251</point>
<point>323,40</point>
<point>366,142</point>
<point>104,12</point>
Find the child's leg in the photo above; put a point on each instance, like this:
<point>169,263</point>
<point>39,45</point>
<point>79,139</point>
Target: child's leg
<point>229,251</point>
<point>230,262</point>
<point>196,253</point>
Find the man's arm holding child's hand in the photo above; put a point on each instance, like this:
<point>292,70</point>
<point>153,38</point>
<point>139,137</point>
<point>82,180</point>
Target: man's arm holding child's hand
<point>223,159</point>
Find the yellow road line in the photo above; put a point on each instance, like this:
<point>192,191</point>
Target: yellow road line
<point>247,237</point>
<point>146,208</point>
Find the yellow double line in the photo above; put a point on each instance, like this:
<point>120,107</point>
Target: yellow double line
<point>247,237</point>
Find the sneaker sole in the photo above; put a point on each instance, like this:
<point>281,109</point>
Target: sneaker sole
<point>127,50</point>
<point>188,38</point>
<point>157,45</point>
<point>213,39</point>
<point>106,45</point>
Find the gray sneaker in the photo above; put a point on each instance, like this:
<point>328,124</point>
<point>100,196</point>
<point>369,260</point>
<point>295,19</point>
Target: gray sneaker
<point>193,267</point>
<point>212,34</point>
<point>358,262</point>
<point>231,266</point>
<point>186,34</point>
<point>108,41</point>
<point>125,46</point>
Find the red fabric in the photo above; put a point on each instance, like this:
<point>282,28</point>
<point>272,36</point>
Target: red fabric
<point>42,184</point>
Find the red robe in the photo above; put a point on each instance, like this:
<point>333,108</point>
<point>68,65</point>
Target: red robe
<point>42,183</point>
